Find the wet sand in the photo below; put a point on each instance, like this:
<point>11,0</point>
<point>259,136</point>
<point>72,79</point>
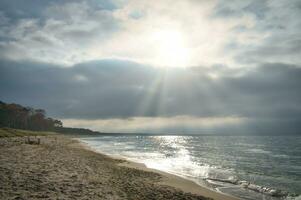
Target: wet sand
<point>63,168</point>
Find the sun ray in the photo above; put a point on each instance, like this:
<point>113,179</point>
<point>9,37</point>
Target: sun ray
<point>151,103</point>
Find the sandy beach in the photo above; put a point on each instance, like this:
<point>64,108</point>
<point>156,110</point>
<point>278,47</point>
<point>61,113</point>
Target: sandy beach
<point>63,168</point>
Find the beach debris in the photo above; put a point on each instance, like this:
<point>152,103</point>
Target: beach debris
<point>33,141</point>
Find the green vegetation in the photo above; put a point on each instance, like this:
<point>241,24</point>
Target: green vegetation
<point>9,132</point>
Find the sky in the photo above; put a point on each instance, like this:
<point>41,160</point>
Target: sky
<point>193,66</point>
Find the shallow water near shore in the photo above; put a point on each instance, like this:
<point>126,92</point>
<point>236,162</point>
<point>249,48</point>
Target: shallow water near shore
<point>224,163</point>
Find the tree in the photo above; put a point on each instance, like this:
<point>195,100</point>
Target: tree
<point>17,116</point>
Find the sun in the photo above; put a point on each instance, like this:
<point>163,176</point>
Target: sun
<point>170,49</point>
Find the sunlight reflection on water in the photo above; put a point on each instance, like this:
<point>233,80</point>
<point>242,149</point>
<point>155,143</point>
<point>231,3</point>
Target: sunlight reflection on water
<point>217,157</point>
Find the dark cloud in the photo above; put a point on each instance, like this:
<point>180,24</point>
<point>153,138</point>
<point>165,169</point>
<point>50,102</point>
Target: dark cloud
<point>234,9</point>
<point>20,9</point>
<point>268,95</point>
<point>263,88</point>
<point>54,30</point>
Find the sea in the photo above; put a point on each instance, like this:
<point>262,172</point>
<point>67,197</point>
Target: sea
<point>248,167</point>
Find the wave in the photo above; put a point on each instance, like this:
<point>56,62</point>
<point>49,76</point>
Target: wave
<point>259,151</point>
<point>256,188</point>
<point>234,173</point>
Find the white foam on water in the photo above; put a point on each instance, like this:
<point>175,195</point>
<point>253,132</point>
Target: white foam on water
<point>172,154</point>
<point>259,151</point>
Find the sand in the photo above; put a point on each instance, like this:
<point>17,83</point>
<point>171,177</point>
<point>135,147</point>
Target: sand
<point>62,168</point>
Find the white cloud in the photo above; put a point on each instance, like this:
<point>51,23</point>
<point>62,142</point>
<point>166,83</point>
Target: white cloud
<point>156,124</point>
<point>166,33</point>
<point>200,38</point>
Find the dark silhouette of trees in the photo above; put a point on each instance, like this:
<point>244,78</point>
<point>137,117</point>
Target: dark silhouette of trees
<point>17,116</point>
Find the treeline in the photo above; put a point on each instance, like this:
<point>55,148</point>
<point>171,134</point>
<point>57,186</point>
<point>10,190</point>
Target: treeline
<point>19,117</point>
<point>76,131</point>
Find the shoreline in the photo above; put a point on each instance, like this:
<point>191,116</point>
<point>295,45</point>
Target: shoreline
<point>173,180</point>
<point>60,167</point>
<point>239,188</point>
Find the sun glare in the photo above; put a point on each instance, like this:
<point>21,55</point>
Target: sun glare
<point>170,48</point>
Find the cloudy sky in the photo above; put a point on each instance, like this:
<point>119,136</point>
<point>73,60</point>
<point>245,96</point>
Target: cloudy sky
<point>170,66</point>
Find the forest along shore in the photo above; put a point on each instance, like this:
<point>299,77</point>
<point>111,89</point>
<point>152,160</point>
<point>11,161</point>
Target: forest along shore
<point>59,167</point>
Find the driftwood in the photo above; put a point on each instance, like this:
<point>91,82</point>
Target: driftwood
<point>33,141</point>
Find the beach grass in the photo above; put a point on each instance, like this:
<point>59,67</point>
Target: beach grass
<point>10,132</point>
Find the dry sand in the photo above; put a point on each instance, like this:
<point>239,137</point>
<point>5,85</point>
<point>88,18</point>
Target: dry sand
<point>62,168</point>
